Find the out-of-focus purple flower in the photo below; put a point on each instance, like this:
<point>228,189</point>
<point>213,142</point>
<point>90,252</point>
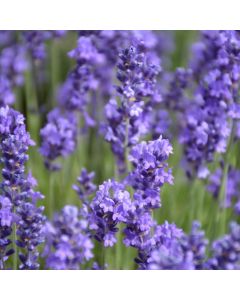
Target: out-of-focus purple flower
<point>171,257</point>
<point>7,96</point>
<point>232,188</point>
<point>158,235</point>
<point>6,37</point>
<point>13,64</point>
<point>196,242</point>
<point>161,122</point>
<point>6,215</point>
<point>68,247</point>
<point>207,126</point>
<point>175,250</point>
<point>167,252</point>
<point>85,186</point>
<point>35,41</point>
<point>175,98</point>
<point>82,80</point>
<point>226,251</point>
<point>58,137</point>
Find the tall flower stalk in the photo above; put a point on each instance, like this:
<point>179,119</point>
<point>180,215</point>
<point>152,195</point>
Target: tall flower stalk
<point>17,189</point>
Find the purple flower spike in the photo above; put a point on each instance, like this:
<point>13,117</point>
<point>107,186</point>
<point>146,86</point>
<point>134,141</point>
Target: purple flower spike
<point>110,206</point>
<point>226,251</point>
<point>68,247</point>
<point>18,192</point>
<point>59,137</point>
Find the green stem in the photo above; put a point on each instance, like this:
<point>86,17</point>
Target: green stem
<point>51,196</point>
<point>192,201</point>
<point>221,216</point>
<point>119,235</point>
<point>15,254</point>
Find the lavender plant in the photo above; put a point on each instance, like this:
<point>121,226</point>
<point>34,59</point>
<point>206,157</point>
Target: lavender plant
<point>162,114</point>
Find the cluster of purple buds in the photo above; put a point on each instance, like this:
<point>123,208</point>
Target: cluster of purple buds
<point>149,162</point>
<point>19,198</point>
<point>161,122</point>
<point>171,257</point>
<point>111,205</point>
<point>13,64</point>
<point>148,175</point>
<point>7,96</point>
<point>30,234</point>
<point>207,125</point>
<point>35,41</point>
<point>175,96</point>
<point>196,242</point>
<point>226,251</point>
<point>7,37</point>
<point>82,80</point>
<point>175,250</point>
<point>96,55</point>
<point>59,137</point>
<point>167,252</point>
<point>68,246</point>
<point>232,188</point>
<point>85,186</point>
<point>138,78</point>
<point>160,235</point>
<point>6,219</point>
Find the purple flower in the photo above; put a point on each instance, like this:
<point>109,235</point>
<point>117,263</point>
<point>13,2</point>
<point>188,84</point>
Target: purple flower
<point>226,251</point>
<point>158,235</point>
<point>6,215</point>
<point>6,37</point>
<point>7,96</point>
<point>68,246</point>
<point>85,186</point>
<point>171,257</point>
<point>30,234</point>
<point>58,137</point>
<point>196,242</point>
<point>175,250</point>
<point>110,206</point>
<point>175,98</point>
<point>13,64</point>
<point>208,117</point>
<point>35,41</point>
<point>232,188</point>
<point>18,191</point>
<point>6,218</point>
<point>137,74</point>
<point>149,164</point>
<point>82,79</point>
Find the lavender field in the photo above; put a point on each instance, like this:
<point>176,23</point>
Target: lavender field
<point>119,150</point>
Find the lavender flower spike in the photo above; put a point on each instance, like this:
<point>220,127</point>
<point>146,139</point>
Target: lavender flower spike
<point>59,137</point>
<point>68,247</point>
<point>18,204</point>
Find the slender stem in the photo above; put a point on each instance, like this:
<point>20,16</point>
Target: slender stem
<point>223,186</point>
<point>192,201</point>
<point>51,198</point>
<point>15,254</point>
<point>126,147</point>
<point>120,235</point>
